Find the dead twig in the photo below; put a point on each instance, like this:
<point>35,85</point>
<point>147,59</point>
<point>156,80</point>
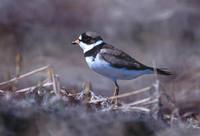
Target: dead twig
<point>150,102</point>
<point>130,93</point>
<point>1,91</point>
<point>142,103</point>
<point>127,108</point>
<point>55,80</point>
<point>32,88</point>
<point>24,75</point>
<point>74,94</point>
<point>57,84</point>
<point>139,102</point>
<point>122,95</point>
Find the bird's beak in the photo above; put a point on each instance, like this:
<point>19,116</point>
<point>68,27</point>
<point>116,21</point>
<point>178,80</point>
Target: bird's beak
<point>76,42</point>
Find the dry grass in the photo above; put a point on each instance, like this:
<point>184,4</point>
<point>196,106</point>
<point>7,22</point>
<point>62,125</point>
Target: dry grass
<point>150,105</point>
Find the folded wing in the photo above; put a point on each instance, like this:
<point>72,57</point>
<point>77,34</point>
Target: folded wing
<point>120,59</point>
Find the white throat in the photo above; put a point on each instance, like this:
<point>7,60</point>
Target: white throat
<point>87,47</point>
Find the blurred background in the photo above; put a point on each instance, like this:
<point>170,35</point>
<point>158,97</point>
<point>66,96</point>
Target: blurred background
<point>166,33</point>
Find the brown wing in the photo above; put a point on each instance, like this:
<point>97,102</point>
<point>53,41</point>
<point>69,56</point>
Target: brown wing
<point>120,59</point>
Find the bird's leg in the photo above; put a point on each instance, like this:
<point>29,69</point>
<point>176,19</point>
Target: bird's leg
<point>116,92</point>
<point>116,89</point>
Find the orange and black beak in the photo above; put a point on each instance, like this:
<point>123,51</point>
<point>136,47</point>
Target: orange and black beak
<point>76,42</point>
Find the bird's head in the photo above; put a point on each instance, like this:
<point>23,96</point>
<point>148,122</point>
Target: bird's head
<point>88,40</point>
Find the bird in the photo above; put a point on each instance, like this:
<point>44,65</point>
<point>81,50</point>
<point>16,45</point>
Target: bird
<point>111,62</point>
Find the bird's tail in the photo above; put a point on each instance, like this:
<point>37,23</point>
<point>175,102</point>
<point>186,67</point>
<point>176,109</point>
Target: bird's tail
<point>162,71</point>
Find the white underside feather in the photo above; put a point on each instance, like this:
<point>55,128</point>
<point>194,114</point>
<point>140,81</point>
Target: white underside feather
<point>104,68</point>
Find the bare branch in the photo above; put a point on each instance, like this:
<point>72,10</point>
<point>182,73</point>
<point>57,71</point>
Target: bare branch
<point>131,93</point>
<point>32,87</point>
<point>24,75</point>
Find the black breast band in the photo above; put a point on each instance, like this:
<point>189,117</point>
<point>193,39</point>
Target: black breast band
<point>93,52</point>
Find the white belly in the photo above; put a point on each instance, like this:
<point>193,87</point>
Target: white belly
<point>105,69</point>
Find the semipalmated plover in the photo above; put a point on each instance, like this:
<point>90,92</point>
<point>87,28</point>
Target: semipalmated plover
<point>111,62</point>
